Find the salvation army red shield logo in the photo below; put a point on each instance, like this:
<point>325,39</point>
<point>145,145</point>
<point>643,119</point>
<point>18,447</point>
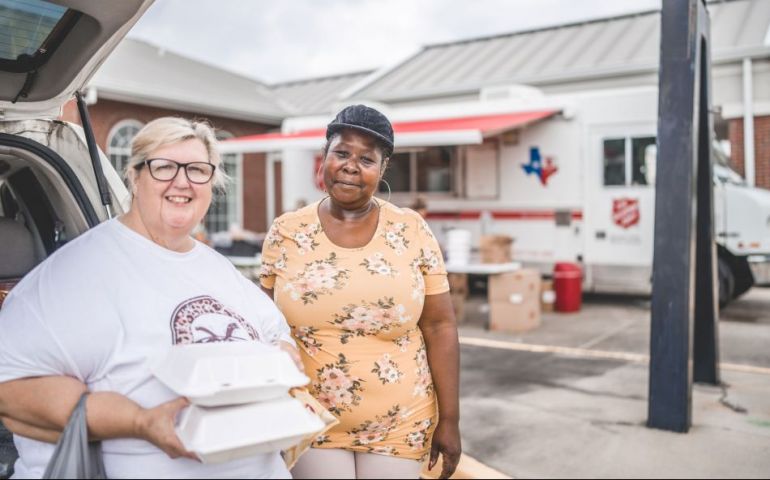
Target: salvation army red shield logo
<point>625,212</point>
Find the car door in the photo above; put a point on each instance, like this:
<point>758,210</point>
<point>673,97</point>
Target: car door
<point>620,206</point>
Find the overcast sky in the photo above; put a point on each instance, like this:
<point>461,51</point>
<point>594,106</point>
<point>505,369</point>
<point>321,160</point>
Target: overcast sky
<point>282,40</point>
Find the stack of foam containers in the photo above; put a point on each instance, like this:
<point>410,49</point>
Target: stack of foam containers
<point>458,247</point>
<point>240,399</point>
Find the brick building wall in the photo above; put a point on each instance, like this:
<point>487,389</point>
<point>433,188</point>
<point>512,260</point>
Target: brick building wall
<point>105,114</point>
<point>761,149</point>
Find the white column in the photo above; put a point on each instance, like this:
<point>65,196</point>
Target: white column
<point>748,122</point>
<point>298,172</point>
<point>270,188</point>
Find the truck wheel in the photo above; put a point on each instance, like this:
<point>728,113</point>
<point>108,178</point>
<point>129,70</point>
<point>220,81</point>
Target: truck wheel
<point>744,279</point>
<point>726,282</point>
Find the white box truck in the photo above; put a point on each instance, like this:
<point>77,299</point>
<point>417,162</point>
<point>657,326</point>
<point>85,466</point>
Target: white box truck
<point>570,177</point>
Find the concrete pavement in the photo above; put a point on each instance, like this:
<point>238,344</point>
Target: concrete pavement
<point>571,413</point>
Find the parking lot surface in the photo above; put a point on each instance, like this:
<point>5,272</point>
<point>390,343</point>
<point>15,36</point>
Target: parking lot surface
<point>570,398</point>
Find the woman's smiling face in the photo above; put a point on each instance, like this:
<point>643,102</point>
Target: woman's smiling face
<point>352,168</point>
<point>177,206</point>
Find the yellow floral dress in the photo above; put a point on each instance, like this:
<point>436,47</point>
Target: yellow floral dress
<point>354,314</point>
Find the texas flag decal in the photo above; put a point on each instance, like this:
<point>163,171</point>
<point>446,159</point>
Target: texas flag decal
<point>536,166</point>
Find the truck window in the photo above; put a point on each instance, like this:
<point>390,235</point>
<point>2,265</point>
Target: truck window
<point>630,161</point>
<point>615,161</point>
<point>423,170</point>
<point>434,170</point>
<point>398,174</point>
<point>644,153</point>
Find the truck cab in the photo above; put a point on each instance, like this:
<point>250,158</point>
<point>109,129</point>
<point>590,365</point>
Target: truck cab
<point>743,232</point>
<point>620,224</point>
<point>619,164</point>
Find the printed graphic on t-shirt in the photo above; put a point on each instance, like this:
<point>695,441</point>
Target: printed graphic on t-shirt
<point>205,319</point>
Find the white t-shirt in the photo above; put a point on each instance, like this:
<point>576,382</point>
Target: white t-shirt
<point>109,301</point>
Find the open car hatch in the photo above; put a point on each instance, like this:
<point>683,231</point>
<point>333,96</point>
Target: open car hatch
<point>49,49</point>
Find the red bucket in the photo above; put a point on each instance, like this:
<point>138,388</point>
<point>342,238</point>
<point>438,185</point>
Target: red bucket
<point>568,286</point>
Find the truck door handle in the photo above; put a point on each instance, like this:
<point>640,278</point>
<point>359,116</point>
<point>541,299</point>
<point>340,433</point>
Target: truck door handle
<point>601,234</point>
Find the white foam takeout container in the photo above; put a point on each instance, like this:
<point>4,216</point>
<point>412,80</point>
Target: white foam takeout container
<point>231,373</point>
<point>223,434</point>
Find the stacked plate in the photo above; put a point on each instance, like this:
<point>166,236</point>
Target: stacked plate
<point>240,399</point>
<point>458,247</point>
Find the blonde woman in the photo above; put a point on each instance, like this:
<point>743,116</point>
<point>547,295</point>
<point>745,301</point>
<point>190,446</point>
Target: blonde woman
<point>89,317</point>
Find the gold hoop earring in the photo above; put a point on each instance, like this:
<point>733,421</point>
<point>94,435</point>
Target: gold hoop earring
<point>320,179</point>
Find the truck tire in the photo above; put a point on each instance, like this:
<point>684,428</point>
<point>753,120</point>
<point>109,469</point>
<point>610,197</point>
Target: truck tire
<point>744,279</point>
<point>726,282</point>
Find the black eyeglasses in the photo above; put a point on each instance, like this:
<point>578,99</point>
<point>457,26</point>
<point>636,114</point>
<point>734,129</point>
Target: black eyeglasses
<point>165,170</point>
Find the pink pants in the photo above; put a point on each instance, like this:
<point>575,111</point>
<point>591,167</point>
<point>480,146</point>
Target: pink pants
<point>337,463</point>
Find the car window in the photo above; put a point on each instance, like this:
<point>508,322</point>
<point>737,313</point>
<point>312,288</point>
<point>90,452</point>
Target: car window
<point>25,25</point>
<point>29,31</point>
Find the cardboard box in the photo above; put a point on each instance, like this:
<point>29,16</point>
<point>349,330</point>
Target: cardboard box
<point>458,290</point>
<point>514,317</point>
<point>458,283</point>
<point>547,296</point>
<point>514,301</point>
<point>525,282</point>
<point>458,305</point>
<point>495,248</point>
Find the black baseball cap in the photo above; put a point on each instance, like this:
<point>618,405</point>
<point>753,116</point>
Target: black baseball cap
<point>364,119</point>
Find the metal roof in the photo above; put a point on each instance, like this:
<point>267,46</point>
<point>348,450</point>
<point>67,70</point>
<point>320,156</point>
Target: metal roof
<point>316,95</point>
<point>139,72</point>
<point>562,54</point>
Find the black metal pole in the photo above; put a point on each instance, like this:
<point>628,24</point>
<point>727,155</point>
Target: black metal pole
<point>93,150</point>
<point>705,335</point>
<point>678,246</point>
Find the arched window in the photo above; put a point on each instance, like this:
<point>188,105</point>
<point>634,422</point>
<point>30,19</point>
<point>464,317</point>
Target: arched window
<point>119,143</point>
<point>227,208</point>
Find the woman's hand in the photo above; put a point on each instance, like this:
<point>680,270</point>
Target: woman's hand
<point>293,353</point>
<point>156,425</point>
<point>446,441</point>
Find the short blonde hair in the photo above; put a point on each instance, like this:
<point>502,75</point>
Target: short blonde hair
<point>167,131</point>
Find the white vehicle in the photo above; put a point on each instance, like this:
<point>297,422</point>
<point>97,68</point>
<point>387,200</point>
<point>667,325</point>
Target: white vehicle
<point>52,186</point>
<point>571,178</point>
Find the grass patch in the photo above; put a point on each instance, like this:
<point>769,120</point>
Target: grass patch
<point>760,423</point>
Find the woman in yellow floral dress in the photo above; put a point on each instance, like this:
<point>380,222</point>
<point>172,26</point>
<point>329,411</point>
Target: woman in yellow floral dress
<point>364,289</point>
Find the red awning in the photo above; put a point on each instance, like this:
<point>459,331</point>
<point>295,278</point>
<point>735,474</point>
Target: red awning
<point>420,133</point>
<point>488,124</point>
